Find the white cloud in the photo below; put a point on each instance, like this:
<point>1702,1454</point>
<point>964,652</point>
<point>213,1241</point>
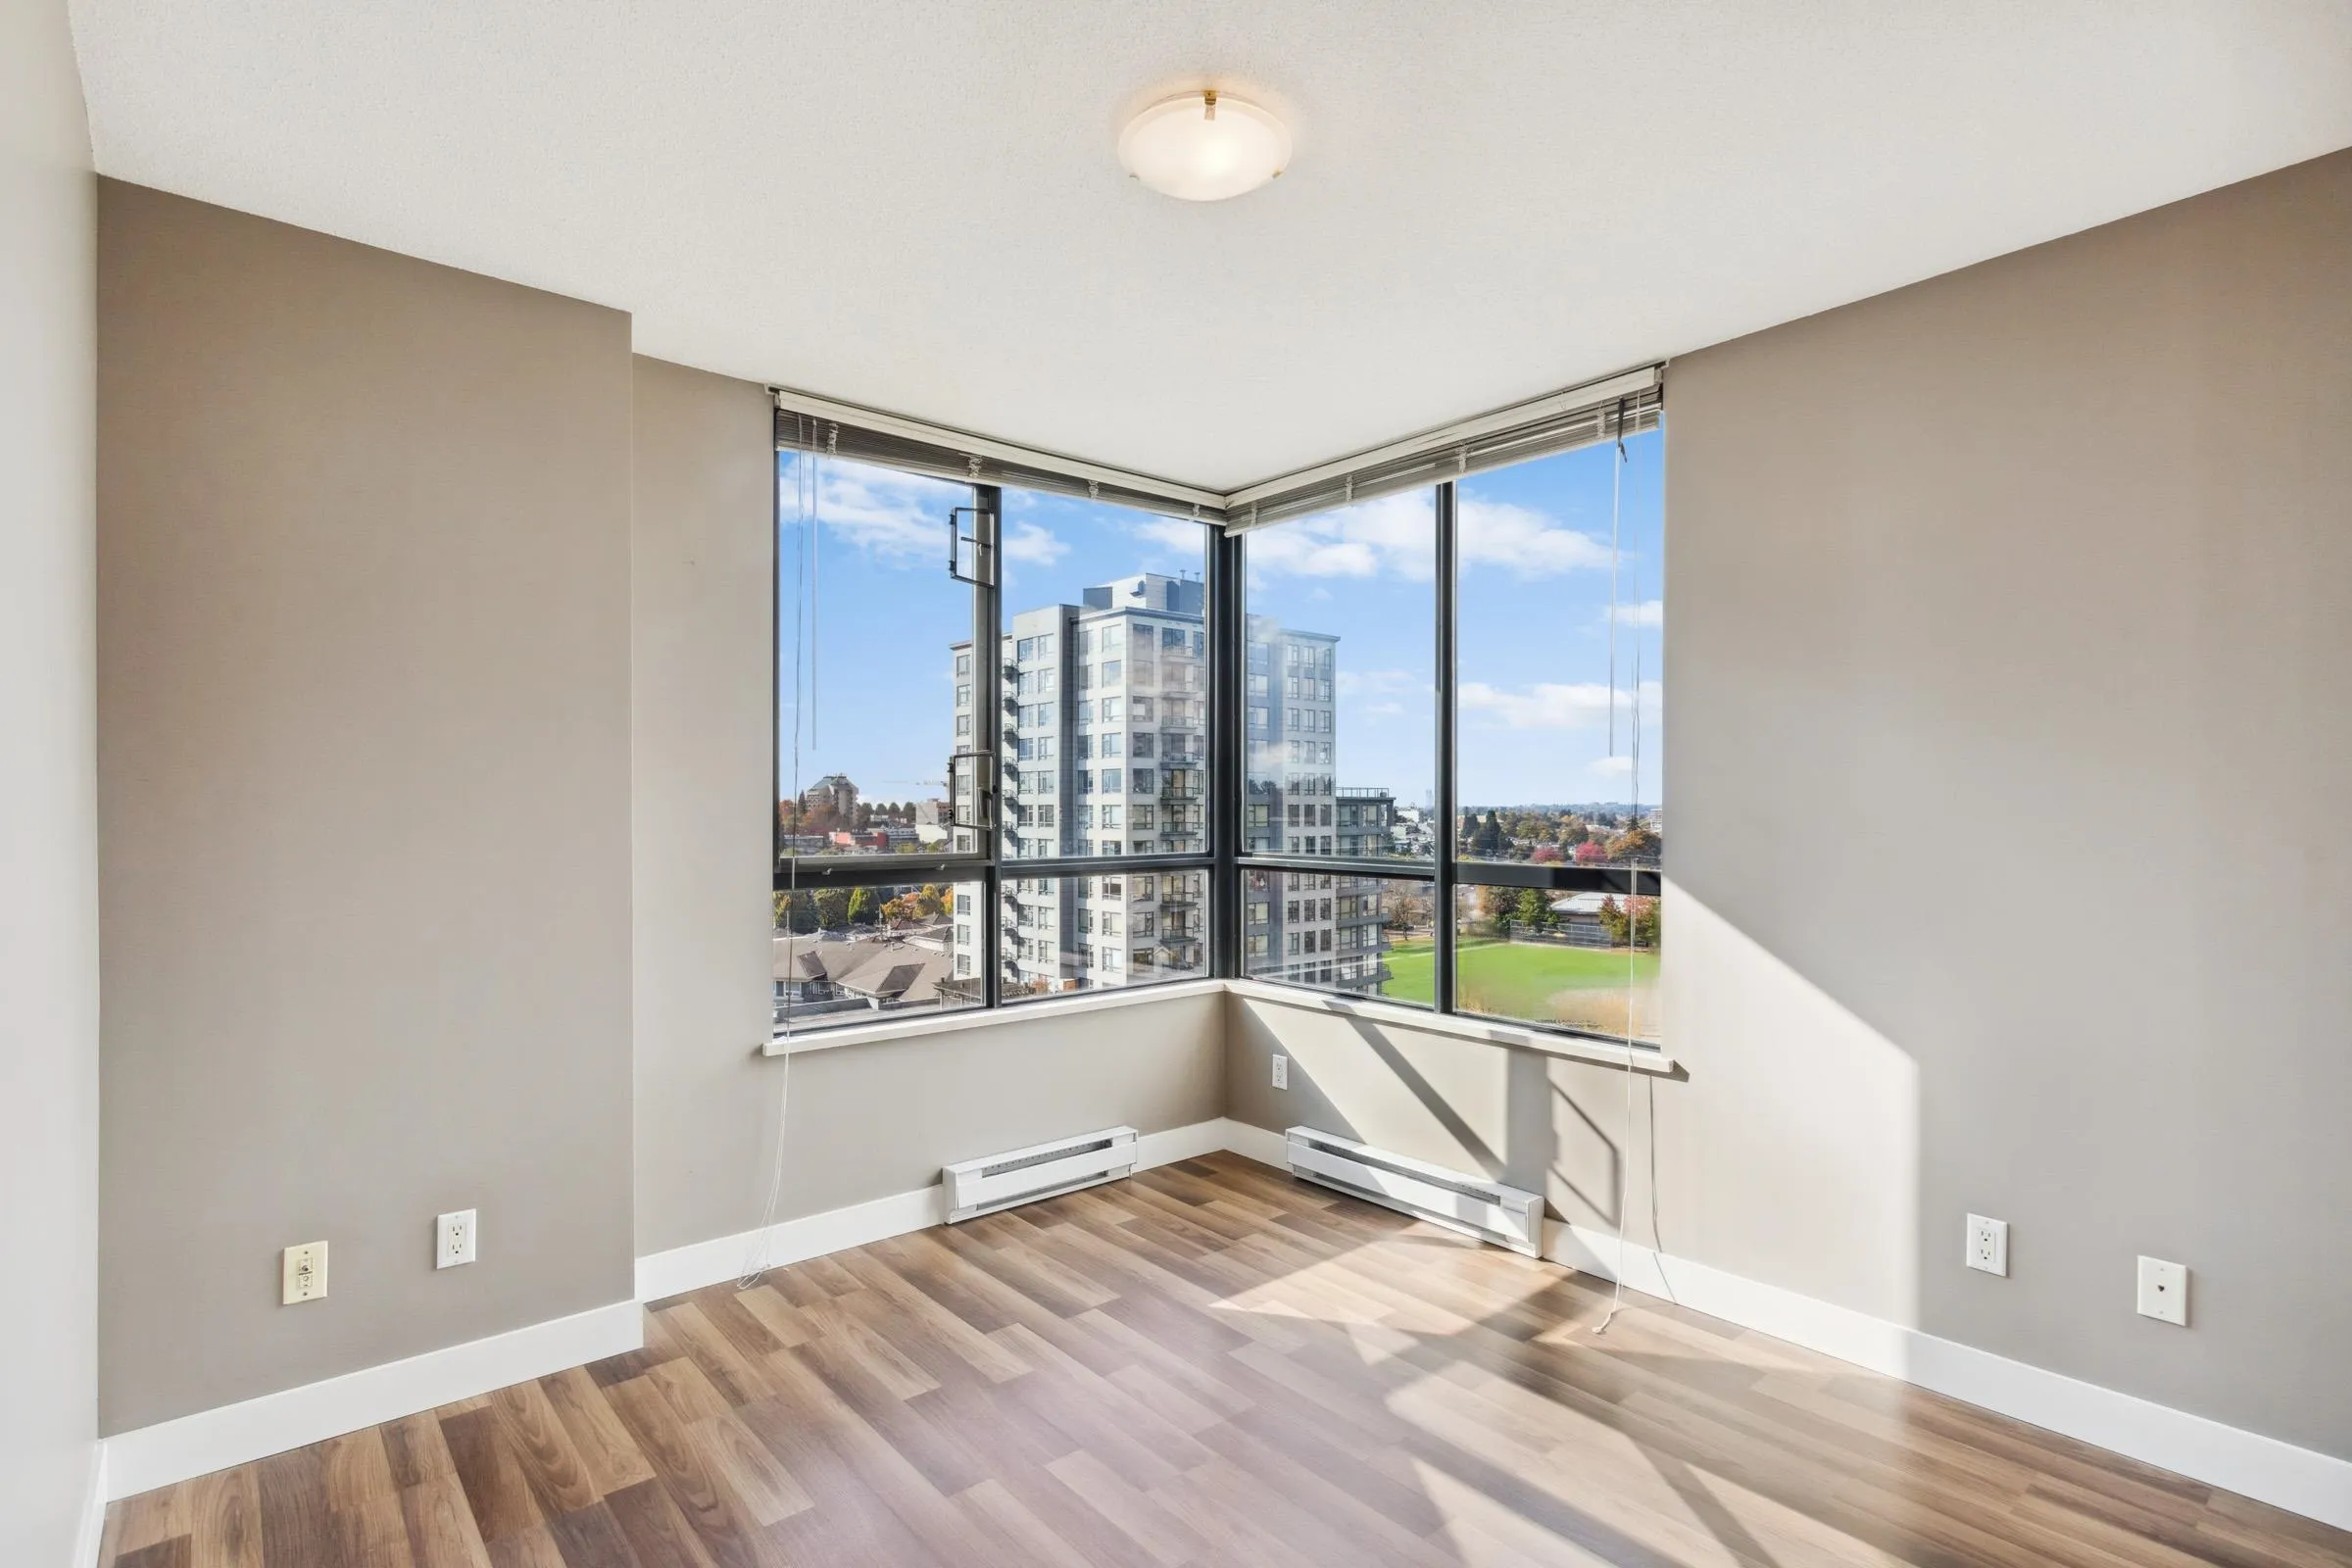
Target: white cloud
<point>1611,766</point>
<point>1584,704</point>
<point>900,516</point>
<point>1648,612</point>
<point>1382,710</point>
<point>1034,546</point>
<point>1393,536</point>
<point>1501,533</point>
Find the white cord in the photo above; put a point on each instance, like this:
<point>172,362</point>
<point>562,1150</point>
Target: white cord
<point>754,1264</point>
<point>1633,917</point>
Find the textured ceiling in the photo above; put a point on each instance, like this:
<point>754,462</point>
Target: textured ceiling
<point>918,207</point>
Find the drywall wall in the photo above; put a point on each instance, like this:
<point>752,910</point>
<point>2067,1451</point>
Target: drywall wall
<point>702,596</point>
<point>864,1122</point>
<point>363,796</point>
<point>2010,633</point>
<point>48,795</point>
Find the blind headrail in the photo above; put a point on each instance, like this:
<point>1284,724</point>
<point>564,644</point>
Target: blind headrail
<point>1624,404</point>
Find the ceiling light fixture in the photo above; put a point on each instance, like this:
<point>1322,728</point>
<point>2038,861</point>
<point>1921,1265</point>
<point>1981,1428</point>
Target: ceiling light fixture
<point>1204,146</point>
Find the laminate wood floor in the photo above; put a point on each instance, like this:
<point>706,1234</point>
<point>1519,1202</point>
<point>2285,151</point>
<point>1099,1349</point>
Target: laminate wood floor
<point>1206,1364</point>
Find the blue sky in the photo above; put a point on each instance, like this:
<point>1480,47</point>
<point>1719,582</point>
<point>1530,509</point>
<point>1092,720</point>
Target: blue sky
<point>1536,698</point>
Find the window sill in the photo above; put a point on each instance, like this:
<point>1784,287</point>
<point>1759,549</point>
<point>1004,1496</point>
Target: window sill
<point>947,1023</point>
<point>1485,1031</point>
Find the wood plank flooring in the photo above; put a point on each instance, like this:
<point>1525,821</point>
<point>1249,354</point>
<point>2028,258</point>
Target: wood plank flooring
<point>1207,1364</point>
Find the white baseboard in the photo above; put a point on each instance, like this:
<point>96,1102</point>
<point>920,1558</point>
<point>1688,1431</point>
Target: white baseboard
<point>2316,1485</point>
<point>254,1429</point>
<point>793,1241</point>
<point>1257,1143</point>
<point>92,1536</point>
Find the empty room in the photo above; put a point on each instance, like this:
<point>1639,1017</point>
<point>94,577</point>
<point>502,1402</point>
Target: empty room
<point>1248,782</point>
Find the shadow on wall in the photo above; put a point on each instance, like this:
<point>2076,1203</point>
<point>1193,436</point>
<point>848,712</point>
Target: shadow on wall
<point>1787,1152</point>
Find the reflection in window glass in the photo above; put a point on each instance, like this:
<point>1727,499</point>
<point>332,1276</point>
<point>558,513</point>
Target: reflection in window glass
<point>1364,934</point>
<point>1338,682</point>
<point>1587,961</point>
<point>1550,718</point>
<point>1104,681</point>
<point>1092,933</point>
<point>866,719</point>
<point>849,955</point>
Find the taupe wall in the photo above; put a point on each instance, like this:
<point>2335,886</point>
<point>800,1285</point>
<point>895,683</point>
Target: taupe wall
<point>701,597</point>
<point>48,796</point>
<point>864,1122</point>
<point>2008,663</point>
<point>364,772</point>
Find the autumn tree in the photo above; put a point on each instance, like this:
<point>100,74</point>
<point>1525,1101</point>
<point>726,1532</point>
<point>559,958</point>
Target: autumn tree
<point>1635,844</point>
<point>832,907</point>
<point>795,911</point>
<point>865,906</point>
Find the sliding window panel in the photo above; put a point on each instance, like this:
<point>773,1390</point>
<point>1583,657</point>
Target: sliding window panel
<point>1560,609</point>
<point>866,954</point>
<point>1339,683</point>
<point>1585,962</point>
<point>1338,931</point>
<point>876,683</point>
<point>1116,927</point>
<point>1104,681</point>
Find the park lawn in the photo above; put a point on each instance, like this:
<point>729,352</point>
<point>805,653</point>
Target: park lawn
<point>1516,979</point>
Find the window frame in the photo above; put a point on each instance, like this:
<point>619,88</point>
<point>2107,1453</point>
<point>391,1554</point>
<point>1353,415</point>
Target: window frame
<point>1446,870</point>
<point>1226,734</point>
<point>986,865</point>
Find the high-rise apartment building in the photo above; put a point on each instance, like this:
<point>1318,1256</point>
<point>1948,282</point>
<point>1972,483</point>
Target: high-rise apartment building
<point>1104,750</point>
<point>1104,745</point>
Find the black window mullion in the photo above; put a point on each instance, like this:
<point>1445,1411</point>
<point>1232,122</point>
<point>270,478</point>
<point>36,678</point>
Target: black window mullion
<point>1442,891</point>
<point>1227,763</point>
<point>987,724</point>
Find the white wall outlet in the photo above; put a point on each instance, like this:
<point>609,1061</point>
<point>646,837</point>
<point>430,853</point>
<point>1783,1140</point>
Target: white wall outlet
<point>1988,1245</point>
<point>2164,1291</point>
<point>1282,1071</point>
<point>454,1239</point>
<point>304,1272</point>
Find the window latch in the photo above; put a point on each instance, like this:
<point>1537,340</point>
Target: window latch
<point>971,553</point>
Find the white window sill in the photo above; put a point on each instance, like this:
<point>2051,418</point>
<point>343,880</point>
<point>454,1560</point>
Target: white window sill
<point>1485,1031</point>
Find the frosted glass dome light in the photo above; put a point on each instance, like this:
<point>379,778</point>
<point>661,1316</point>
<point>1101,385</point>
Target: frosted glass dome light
<point>1204,146</point>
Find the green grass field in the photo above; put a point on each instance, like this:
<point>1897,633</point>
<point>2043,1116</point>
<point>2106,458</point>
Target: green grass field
<point>1532,980</point>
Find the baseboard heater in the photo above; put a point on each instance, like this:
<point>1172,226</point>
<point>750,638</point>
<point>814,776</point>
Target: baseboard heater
<point>1488,1210</point>
<point>993,1181</point>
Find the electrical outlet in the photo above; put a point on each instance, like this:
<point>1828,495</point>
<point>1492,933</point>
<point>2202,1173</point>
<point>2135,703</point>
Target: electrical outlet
<point>454,1239</point>
<point>304,1272</point>
<point>2164,1291</point>
<point>1282,1072</point>
<point>1988,1245</point>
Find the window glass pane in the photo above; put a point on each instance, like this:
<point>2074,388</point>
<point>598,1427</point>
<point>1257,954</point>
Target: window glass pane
<point>1105,680</point>
<point>849,955</point>
<point>1089,933</point>
<point>1339,682</point>
<point>866,717</point>
<point>1559,692</point>
<point>1587,961</point>
<point>1369,936</point>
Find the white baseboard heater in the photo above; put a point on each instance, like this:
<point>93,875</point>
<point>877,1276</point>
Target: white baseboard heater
<point>983,1186</point>
<point>1488,1210</point>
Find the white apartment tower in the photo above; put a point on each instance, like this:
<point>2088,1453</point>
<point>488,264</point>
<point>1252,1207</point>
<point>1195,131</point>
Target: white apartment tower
<point>1104,752</point>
